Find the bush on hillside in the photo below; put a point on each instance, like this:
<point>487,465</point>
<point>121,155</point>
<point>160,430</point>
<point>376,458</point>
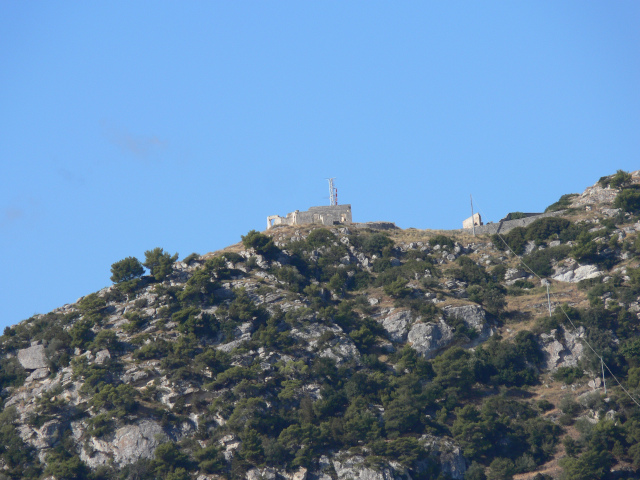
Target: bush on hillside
<point>126,269</point>
<point>262,244</point>
<point>618,180</point>
<point>562,203</point>
<point>159,263</point>
<point>628,200</point>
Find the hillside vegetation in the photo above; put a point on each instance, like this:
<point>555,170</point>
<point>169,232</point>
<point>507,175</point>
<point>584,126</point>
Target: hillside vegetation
<point>346,353</point>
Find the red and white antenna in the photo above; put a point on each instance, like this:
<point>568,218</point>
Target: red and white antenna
<point>333,193</point>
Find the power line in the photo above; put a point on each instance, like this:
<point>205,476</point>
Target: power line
<point>548,282</point>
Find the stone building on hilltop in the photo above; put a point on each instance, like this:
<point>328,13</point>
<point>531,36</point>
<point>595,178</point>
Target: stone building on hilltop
<point>328,215</point>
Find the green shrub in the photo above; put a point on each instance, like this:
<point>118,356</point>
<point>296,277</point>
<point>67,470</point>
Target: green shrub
<point>262,244</point>
<point>564,202</point>
<point>545,405</point>
<point>540,261</point>
<point>19,459</point>
<point>520,283</point>
<point>515,238</point>
<point>64,466</point>
<point>233,257</point>
<point>568,375</point>
<point>628,200</point>
<point>81,334</point>
<point>618,180</point>
<point>121,399</point>
<point>126,269</point>
<point>104,339</point>
<point>546,228</point>
<point>191,258</point>
<point>11,373</point>
<point>441,240</point>
<point>320,237</point>
<point>397,288</point>
<point>192,320</point>
<point>376,244</point>
<point>101,425</point>
<point>159,263</point>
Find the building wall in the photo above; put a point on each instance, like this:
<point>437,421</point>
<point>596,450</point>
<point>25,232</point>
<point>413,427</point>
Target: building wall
<point>505,226</point>
<point>328,215</point>
<point>469,222</point>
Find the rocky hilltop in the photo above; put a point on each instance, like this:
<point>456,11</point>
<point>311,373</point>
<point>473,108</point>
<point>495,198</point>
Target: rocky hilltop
<point>346,352</point>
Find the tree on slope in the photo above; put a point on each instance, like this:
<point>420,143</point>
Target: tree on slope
<point>159,263</point>
<point>126,269</point>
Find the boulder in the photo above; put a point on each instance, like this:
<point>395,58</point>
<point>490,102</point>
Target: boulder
<point>514,274</point>
<point>38,374</point>
<point>129,444</point>
<point>475,317</point>
<point>428,338</point>
<point>102,356</point>
<point>562,351</point>
<point>353,468</point>
<point>581,273</point>
<point>267,473</point>
<point>397,325</point>
<point>32,358</point>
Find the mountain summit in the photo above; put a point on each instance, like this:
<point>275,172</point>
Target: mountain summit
<point>348,351</point>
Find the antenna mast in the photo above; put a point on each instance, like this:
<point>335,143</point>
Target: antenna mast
<point>333,192</point>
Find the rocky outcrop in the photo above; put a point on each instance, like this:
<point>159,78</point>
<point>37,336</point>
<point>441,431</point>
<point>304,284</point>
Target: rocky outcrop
<point>33,357</point>
<point>562,350</point>
<point>397,324</point>
<point>573,273</point>
<point>595,195</point>
<point>514,274</point>
<point>475,317</point>
<point>447,454</point>
<point>353,468</point>
<point>428,338</point>
<point>128,444</point>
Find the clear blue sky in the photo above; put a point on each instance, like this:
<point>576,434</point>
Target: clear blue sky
<point>130,125</point>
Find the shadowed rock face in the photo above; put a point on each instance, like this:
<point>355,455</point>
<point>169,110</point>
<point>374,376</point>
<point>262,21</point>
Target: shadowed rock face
<point>32,358</point>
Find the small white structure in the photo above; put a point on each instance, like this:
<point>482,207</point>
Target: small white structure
<point>472,221</point>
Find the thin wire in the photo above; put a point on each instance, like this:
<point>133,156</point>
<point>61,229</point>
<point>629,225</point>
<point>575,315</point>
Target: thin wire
<point>565,313</point>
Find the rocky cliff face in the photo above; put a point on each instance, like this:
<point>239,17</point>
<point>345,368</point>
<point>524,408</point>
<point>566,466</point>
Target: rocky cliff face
<point>314,353</point>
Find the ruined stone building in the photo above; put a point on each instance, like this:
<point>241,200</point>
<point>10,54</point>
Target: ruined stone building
<point>329,215</point>
<point>471,221</point>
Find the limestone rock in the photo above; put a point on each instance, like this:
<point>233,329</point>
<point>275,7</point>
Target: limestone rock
<point>38,374</point>
<point>33,357</point>
<point>428,338</point>
<point>514,274</point>
<point>129,443</point>
<point>102,356</point>
<point>474,316</point>
<point>581,273</point>
<point>563,352</point>
<point>448,455</point>
<point>595,194</point>
<point>353,468</point>
<point>397,325</point>
<point>261,474</point>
